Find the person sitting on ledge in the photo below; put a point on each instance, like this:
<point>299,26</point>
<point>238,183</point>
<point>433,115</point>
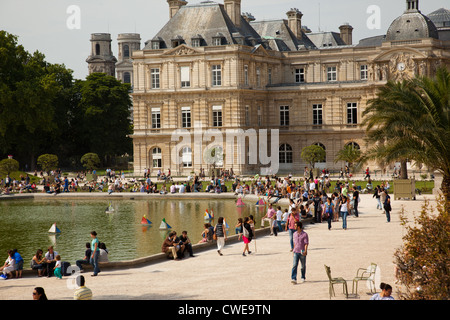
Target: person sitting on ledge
<point>171,246</point>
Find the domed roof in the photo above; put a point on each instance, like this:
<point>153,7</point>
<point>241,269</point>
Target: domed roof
<point>412,24</point>
<point>440,17</point>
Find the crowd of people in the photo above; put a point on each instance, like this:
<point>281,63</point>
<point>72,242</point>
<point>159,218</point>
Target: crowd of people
<point>51,264</point>
<point>312,198</point>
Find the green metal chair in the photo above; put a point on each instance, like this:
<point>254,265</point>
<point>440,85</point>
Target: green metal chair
<point>333,281</point>
<point>367,274</point>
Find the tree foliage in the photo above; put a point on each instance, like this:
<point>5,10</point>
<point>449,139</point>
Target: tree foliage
<point>43,109</point>
<point>411,120</point>
<point>423,261</point>
<point>313,154</point>
<point>90,161</point>
<point>9,165</point>
<point>48,162</point>
<point>350,154</point>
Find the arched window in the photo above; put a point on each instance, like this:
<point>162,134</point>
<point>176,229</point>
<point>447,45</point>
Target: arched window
<point>186,155</point>
<point>214,156</point>
<point>156,158</point>
<point>97,49</point>
<point>354,145</point>
<point>126,51</point>
<point>126,77</point>
<point>285,153</point>
<point>325,149</point>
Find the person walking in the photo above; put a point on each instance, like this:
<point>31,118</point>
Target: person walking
<point>356,200</point>
<point>377,195</point>
<point>247,235</point>
<point>95,253</point>
<point>290,225</point>
<point>301,243</point>
<point>328,212</point>
<point>387,206</point>
<point>344,211</point>
<point>221,235</point>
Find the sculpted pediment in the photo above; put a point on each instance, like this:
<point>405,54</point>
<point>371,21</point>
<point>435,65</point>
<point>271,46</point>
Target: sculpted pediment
<point>399,64</point>
<point>181,50</point>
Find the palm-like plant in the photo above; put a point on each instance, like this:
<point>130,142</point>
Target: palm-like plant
<point>350,154</point>
<point>411,120</point>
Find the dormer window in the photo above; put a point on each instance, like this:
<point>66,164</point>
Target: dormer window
<point>177,41</point>
<point>218,39</point>
<point>157,43</point>
<point>196,41</point>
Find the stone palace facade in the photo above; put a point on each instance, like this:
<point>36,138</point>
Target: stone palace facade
<point>213,69</point>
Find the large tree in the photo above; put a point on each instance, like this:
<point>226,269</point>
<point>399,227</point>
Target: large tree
<point>30,91</point>
<point>104,116</point>
<point>411,120</point>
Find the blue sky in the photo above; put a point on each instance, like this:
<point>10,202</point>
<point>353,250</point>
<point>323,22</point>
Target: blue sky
<point>41,24</point>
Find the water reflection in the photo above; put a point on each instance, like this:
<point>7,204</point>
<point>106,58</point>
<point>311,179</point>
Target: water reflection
<point>24,224</point>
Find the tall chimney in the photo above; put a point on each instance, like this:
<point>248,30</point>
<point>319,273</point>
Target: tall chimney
<point>346,33</point>
<point>233,9</point>
<point>175,5</point>
<point>295,21</point>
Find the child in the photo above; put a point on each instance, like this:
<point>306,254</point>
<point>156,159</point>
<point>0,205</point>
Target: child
<point>279,218</point>
<point>57,268</point>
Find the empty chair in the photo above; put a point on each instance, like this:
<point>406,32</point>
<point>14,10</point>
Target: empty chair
<point>367,274</point>
<point>333,281</point>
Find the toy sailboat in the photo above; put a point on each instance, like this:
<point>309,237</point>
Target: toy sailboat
<point>145,221</point>
<point>164,225</point>
<point>240,203</point>
<point>260,203</point>
<point>110,209</point>
<point>209,216</point>
<point>54,229</point>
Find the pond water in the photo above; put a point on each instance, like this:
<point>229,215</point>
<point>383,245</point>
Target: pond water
<point>24,224</point>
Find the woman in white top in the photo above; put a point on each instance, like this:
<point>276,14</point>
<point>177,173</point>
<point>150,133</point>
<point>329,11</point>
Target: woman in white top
<point>385,293</point>
<point>9,266</point>
<point>344,211</point>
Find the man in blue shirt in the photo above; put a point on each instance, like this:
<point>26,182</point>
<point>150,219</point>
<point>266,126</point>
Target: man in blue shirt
<point>19,263</point>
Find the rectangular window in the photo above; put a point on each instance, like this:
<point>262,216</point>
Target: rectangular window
<point>185,75</point>
<point>155,45</point>
<point>352,113</point>
<point>317,114</point>
<point>332,74</point>
<point>196,42</point>
<point>259,116</point>
<point>156,118</point>
<point>247,115</point>
<point>300,75</point>
<point>246,75</point>
<point>187,157</point>
<point>216,75</point>
<point>155,78</point>
<point>186,117</point>
<point>217,116</point>
<point>217,41</point>
<point>258,77</point>
<point>284,116</point>
<point>269,76</point>
<point>364,72</point>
